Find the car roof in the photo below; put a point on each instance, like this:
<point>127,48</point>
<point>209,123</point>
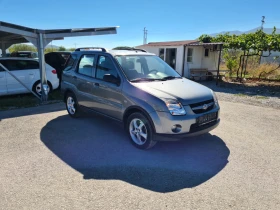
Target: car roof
<point>24,52</point>
<point>128,52</point>
<point>115,52</point>
<point>18,58</point>
<point>63,51</point>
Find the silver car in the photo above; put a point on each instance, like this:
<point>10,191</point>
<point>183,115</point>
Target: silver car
<point>139,89</point>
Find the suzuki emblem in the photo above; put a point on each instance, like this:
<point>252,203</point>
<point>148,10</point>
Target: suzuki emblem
<point>205,106</point>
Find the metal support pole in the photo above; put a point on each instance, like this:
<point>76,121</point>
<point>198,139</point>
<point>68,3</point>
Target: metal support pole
<point>3,48</point>
<point>219,61</point>
<point>44,82</point>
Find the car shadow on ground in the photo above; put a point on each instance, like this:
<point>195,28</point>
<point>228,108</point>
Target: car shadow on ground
<point>6,114</point>
<point>100,149</point>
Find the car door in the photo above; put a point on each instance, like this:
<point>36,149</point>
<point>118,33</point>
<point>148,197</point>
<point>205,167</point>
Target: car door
<point>3,82</point>
<point>83,79</point>
<point>107,95</point>
<point>24,70</point>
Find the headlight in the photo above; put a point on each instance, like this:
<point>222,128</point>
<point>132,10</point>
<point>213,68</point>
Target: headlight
<point>174,107</point>
<point>215,98</point>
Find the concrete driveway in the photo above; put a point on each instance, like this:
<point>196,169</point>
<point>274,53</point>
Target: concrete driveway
<point>51,161</point>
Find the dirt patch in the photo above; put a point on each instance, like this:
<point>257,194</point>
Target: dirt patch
<point>254,87</point>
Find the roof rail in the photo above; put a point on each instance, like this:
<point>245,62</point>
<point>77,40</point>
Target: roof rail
<point>131,48</point>
<point>91,48</point>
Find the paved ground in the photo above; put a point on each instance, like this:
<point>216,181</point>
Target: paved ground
<point>49,161</point>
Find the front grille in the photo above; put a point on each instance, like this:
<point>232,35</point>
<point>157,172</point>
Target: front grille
<point>198,107</point>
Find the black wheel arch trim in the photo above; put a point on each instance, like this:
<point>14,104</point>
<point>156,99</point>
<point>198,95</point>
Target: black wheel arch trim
<point>68,90</point>
<point>141,110</point>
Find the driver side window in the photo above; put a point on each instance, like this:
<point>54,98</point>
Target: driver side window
<point>105,66</point>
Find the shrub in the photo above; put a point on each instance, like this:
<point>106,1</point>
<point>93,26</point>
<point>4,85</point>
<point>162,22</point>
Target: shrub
<point>265,70</point>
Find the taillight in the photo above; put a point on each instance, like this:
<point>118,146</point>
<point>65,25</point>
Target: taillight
<point>54,71</point>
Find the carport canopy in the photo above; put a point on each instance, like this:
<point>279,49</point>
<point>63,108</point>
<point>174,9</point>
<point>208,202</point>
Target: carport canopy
<point>14,34</point>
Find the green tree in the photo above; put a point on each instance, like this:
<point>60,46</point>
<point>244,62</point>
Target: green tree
<point>252,44</point>
<point>205,38</point>
<point>61,48</point>
<point>49,49</point>
<point>121,48</point>
<point>231,58</point>
<point>22,47</point>
<point>72,49</point>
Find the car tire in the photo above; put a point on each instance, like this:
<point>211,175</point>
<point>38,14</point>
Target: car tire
<point>140,131</point>
<point>36,88</point>
<point>72,105</point>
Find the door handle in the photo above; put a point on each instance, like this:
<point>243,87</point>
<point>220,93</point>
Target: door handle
<point>96,84</point>
<point>74,77</point>
<point>31,74</point>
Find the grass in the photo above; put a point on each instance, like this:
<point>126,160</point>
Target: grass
<point>261,97</point>
<point>26,100</point>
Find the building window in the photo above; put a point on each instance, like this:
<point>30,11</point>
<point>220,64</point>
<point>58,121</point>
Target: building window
<point>190,55</point>
<point>206,52</point>
<point>161,53</point>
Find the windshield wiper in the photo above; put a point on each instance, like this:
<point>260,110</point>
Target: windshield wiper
<point>170,77</point>
<point>142,79</point>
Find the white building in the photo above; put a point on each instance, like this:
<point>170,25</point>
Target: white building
<point>187,56</point>
<point>269,58</point>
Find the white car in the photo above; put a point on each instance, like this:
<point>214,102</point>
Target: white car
<point>27,71</point>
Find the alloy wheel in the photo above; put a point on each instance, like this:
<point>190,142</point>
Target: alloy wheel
<point>138,131</point>
<point>71,105</point>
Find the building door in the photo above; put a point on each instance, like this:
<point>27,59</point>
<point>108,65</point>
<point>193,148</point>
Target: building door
<point>170,57</point>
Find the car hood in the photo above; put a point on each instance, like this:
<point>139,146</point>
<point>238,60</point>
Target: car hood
<point>184,90</point>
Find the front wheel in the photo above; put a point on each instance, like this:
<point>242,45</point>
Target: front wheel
<point>140,131</point>
<point>72,105</point>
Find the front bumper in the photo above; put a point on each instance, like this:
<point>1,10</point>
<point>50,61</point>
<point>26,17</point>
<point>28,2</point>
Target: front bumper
<point>195,130</point>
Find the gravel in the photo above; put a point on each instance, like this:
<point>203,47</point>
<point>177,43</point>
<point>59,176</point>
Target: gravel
<point>258,96</point>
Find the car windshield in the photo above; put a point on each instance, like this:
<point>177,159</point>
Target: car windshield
<point>146,68</point>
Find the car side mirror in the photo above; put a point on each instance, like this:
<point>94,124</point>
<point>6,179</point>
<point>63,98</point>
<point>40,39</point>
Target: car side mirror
<point>112,79</point>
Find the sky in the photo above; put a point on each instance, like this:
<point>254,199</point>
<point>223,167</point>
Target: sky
<point>165,20</point>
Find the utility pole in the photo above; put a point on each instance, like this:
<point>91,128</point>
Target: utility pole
<point>263,17</point>
<point>145,36</point>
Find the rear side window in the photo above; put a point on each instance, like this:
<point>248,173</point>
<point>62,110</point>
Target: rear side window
<point>31,64</point>
<point>70,62</point>
<point>18,65</point>
<point>86,65</point>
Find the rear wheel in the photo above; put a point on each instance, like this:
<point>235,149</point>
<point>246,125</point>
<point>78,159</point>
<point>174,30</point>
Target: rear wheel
<point>72,105</point>
<point>140,131</point>
<point>37,88</point>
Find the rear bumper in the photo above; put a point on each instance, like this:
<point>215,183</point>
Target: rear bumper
<point>55,84</point>
<point>194,131</point>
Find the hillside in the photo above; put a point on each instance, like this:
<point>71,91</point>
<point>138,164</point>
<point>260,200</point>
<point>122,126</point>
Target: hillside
<point>266,30</point>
